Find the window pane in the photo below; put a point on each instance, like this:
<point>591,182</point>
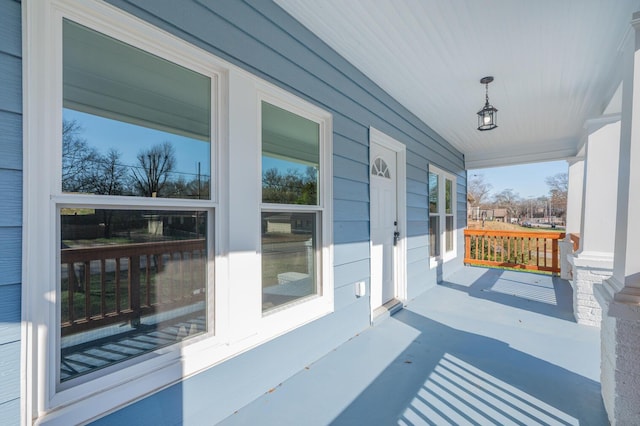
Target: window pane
<point>131,281</point>
<point>290,157</point>
<point>434,236</point>
<point>133,123</point>
<point>433,193</point>
<point>448,187</point>
<point>289,261</point>
<point>449,233</point>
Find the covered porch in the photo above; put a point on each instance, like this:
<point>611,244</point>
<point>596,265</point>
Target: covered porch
<point>487,346</point>
<point>565,85</point>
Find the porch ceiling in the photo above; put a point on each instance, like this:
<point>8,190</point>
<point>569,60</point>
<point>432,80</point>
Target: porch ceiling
<point>556,64</point>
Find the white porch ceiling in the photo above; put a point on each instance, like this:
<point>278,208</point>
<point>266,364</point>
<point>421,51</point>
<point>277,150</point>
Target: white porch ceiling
<point>556,64</point>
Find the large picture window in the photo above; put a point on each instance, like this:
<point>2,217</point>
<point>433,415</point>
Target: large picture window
<point>442,244</point>
<point>134,279</point>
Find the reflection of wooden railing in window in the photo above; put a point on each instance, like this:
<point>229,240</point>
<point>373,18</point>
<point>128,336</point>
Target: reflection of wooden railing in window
<point>525,250</point>
<point>100,288</point>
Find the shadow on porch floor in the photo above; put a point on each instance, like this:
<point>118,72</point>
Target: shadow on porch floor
<point>485,347</point>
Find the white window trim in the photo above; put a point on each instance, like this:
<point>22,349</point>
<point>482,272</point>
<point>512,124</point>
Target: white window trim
<point>445,255</point>
<point>291,316</point>
<point>42,99</point>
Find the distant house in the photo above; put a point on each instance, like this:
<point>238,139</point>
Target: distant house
<point>500,215</point>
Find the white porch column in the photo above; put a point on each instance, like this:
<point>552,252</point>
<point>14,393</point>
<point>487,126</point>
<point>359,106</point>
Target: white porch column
<point>574,214</point>
<point>594,260</point>
<point>620,294</point>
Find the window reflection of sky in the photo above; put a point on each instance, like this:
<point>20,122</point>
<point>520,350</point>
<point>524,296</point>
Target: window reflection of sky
<point>128,139</point>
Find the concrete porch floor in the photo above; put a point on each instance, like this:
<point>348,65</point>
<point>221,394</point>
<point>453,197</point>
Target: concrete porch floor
<point>485,347</point>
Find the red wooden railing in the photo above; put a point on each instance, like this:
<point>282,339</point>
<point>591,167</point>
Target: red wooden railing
<point>511,249</point>
<point>120,283</point>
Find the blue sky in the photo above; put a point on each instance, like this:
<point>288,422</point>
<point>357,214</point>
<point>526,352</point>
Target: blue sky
<point>528,180</point>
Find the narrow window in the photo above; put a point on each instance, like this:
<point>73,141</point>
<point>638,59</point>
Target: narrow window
<point>291,213</point>
<point>434,215</point>
<point>441,214</point>
<point>448,211</point>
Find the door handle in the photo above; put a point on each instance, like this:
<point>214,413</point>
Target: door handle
<point>396,236</point>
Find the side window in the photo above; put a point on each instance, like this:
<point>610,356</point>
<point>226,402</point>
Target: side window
<point>434,215</point>
<point>133,270</point>
<point>291,207</point>
<point>442,228</point>
<point>449,212</point>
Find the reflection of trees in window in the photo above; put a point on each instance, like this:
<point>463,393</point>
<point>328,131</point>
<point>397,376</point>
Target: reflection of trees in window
<point>155,167</point>
<point>86,170</point>
<point>292,187</point>
<point>78,158</point>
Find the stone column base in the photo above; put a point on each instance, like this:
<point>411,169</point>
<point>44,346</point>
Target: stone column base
<point>588,271</point>
<point>620,364</point>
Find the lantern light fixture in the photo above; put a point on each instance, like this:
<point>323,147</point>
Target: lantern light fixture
<point>488,115</point>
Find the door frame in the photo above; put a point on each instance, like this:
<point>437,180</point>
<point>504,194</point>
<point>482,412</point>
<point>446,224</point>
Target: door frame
<point>400,250</point>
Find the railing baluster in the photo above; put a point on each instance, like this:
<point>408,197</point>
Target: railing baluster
<point>71,289</point>
<point>87,290</point>
<point>467,247</point>
<point>117,285</point>
<point>170,274</point>
<point>134,288</point>
<point>103,292</point>
<point>183,281</point>
<point>160,281</point>
<point>147,279</point>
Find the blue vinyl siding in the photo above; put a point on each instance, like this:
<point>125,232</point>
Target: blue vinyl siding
<point>10,209</point>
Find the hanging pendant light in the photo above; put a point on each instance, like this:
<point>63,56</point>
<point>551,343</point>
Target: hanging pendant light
<point>488,115</point>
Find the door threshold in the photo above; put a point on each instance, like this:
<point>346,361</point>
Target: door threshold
<point>385,311</point>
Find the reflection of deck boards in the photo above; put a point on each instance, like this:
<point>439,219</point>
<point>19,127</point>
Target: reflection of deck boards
<point>87,357</point>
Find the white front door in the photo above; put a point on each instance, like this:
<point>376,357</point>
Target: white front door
<point>384,224</point>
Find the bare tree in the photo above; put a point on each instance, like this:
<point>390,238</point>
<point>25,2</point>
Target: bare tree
<point>78,159</point>
<point>154,169</point>
<point>558,190</point>
<point>109,176</point>
<point>479,189</point>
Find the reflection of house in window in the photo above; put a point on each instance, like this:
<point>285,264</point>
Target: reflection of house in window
<point>287,223</point>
